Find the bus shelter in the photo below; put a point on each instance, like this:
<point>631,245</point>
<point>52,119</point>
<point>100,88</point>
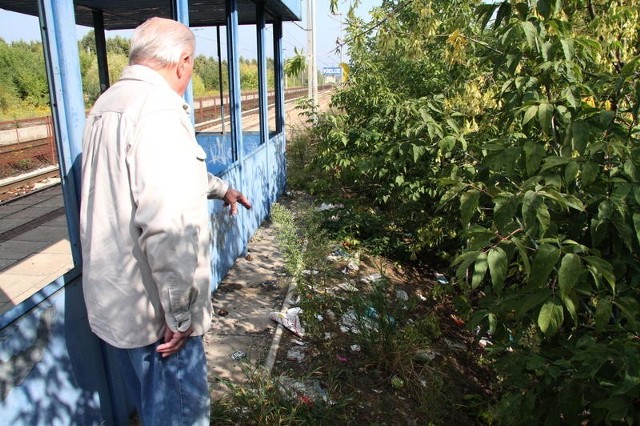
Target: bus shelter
<point>51,366</point>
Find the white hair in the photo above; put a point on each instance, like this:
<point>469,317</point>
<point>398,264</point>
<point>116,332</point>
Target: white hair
<point>159,43</point>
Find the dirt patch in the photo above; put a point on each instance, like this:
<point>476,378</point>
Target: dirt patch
<point>416,364</point>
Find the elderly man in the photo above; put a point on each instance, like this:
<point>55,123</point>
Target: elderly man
<point>144,228</point>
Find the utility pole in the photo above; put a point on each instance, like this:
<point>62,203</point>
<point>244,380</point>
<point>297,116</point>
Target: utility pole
<point>312,75</point>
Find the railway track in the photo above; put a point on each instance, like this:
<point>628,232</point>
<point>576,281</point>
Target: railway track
<point>22,185</point>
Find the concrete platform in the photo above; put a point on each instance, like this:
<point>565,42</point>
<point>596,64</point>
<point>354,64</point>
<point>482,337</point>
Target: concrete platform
<point>34,245</point>
<point>242,333</point>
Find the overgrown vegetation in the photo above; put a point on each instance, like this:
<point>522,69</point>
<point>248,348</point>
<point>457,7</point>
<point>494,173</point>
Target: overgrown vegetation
<point>378,348</point>
<point>501,140</point>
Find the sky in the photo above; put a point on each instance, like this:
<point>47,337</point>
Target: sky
<point>14,27</point>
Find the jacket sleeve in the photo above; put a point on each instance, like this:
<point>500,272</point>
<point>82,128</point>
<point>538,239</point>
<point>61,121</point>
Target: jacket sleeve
<point>217,187</point>
<point>169,188</point>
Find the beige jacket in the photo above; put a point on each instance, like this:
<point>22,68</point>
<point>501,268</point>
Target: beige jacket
<point>144,220</point>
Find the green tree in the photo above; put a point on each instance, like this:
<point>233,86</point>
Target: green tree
<point>505,140</point>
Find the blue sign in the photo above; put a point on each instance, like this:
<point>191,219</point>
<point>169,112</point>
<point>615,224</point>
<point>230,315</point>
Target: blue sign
<point>332,71</point>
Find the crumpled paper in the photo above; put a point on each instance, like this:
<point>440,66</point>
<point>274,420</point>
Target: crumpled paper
<point>290,320</point>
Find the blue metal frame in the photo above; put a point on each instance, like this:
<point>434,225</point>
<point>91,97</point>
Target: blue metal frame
<point>262,72</point>
<point>235,108</point>
<point>278,75</point>
<point>263,105</point>
<point>63,68</point>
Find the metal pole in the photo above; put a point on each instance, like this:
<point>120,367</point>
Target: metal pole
<point>101,49</point>
<point>220,84</point>
<point>314,53</point>
<point>62,60</point>
<point>180,11</point>
<point>309,51</point>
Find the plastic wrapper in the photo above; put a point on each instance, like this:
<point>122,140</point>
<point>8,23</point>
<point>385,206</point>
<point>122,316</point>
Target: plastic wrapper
<point>290,320</point>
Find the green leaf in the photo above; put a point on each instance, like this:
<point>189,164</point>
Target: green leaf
<point>504,209</point>
<point>498,266</point>
<point>570,268</point>
<point>546,258</point>
<point>447,143</point>
<point>625,232</point>
<point>545,115</point>
<point>600,268</point>
<point>603,313</point>
<point>571,172</point>
<point>544,217</point>
<point>568,95</point>
<point>523,252</point>
<point>568,48</point>
<point>417,152</point>
<point>554,161</point>
<point>544,8</point>
<point>589,172</point>
<point>493,323</point>
<point>636,194</point>
<point>550,318</point>
<point>531,34</point>
<point>636,225</point>
<point>464,261</point>
<point>479,270</point>
<point>629,308</point>
<point>581,132</point>
<point>604,210</point>
<point>630,170</point>
<point>468,205</point>
<point>529,114</point>
<point>527,301</point>
<point>534,154</point>
<point>571,303</point>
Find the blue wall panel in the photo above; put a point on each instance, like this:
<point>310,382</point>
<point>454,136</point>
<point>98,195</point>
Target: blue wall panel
<point>229,233</point>
<point>51,369</point>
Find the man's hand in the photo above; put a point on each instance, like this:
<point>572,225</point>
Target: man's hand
<point>173,341</point>
<point>232,197</point>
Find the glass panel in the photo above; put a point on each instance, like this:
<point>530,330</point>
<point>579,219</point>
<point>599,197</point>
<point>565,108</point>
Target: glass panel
<point>210,80</point>
<point>218,149</point>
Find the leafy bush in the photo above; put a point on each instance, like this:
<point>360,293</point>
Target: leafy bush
<point>506,142</point>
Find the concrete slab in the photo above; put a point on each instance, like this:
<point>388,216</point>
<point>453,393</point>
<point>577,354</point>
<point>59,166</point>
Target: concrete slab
<point>44,266</point>
<point>44,233</point>
<point>15,249</point>
<point>37,210</point>
<point>5,263</point>
<point>63,246</point>
<point>245,312</point>
<point>242,333</point>
<point>10,222</point>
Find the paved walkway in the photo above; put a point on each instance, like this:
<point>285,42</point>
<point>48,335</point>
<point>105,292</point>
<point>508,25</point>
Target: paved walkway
<point>34,245</point>
<point>242,331</point>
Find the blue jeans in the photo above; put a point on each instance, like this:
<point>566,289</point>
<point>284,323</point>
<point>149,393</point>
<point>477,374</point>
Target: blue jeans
<point>167,391</point>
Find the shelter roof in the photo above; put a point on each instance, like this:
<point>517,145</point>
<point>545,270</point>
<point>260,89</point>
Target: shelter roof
<point>128,14</point>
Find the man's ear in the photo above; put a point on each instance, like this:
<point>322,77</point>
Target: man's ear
<point>182,64</point>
